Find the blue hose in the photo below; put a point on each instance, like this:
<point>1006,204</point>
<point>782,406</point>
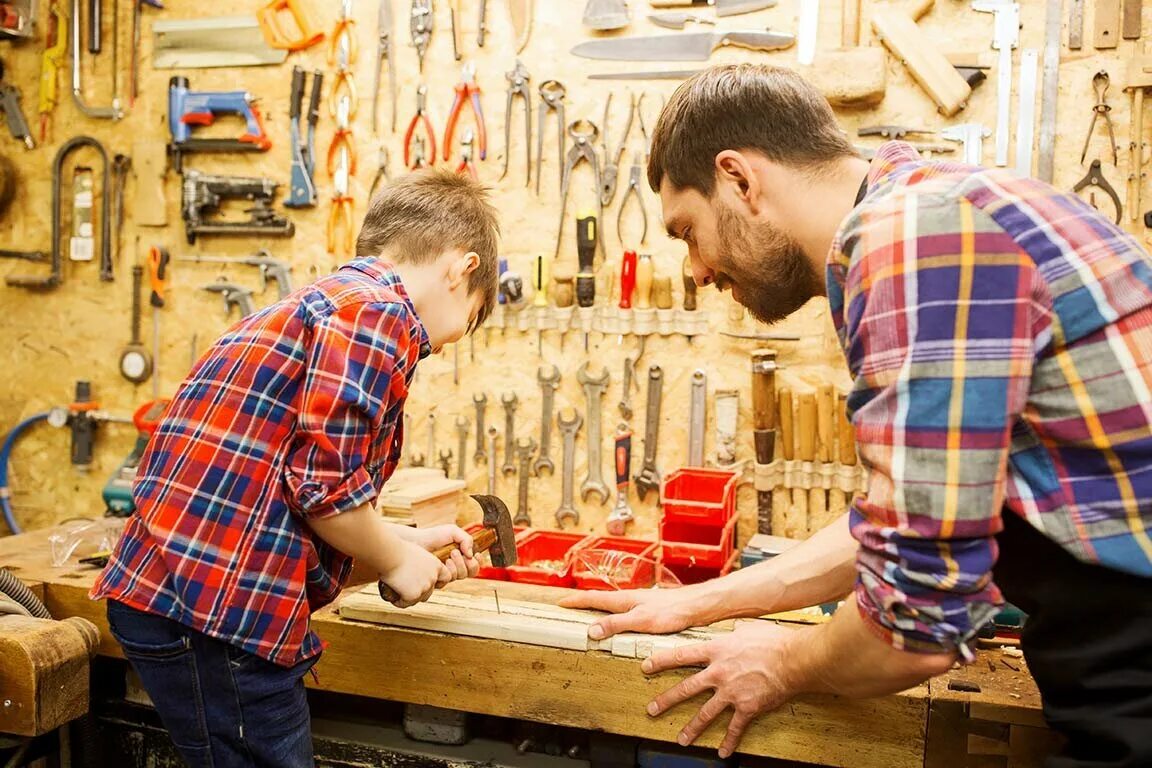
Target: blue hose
<point>5,453</point>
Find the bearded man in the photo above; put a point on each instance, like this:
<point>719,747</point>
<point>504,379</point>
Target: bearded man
<point>999,335</point>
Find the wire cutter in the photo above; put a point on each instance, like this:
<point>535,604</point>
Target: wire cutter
<point>342,139</point>
<point>518,79</point>
<point>1100,84</point>
<point>552,93</point>
<point>634,180</point>
<point>466,90</point>
<point>420,26</point>
<point>612,157</point>
<point>466,165</point>
<point>421,116</point>
<point>343,45</point>
<point>584,134</point>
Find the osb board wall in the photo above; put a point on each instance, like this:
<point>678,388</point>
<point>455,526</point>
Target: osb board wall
<point>78,330</point>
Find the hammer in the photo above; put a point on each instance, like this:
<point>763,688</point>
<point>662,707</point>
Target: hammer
<point>496,538</point>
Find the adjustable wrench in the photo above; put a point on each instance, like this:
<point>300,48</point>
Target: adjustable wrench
<point>510,402</point>
<point>492,435</point>
<point>649,477</point>
<point>568,430</point>
<point>481,403</point>
<point>525,447</point>
<point>593,391</point>
<point>696,419</point>
<point>621,514</point>
<point>462,436</point>
<point>549,383</point>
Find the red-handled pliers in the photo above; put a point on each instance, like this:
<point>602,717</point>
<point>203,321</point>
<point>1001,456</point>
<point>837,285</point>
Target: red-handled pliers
<point>466,165</point>
<point>420,116</point>
<point>467,90</point>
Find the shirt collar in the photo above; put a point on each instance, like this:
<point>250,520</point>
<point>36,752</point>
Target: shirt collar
<point>384,273</point>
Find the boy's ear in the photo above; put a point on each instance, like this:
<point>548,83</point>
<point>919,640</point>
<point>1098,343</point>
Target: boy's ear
<point>464,266</point>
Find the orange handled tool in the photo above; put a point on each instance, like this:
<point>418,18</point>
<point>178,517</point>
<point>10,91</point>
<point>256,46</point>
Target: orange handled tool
<point>627,279</point>
<point>303,36</point>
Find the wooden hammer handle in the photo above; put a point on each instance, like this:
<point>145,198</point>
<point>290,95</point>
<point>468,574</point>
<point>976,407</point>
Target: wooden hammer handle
<point>482,541</point>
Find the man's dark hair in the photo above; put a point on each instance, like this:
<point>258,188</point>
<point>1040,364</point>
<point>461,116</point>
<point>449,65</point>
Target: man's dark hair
<point>421,215</point>
<point>770,110</point>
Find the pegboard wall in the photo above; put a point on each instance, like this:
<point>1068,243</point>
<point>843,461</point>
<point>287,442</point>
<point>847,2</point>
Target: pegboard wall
<point>77,330</point>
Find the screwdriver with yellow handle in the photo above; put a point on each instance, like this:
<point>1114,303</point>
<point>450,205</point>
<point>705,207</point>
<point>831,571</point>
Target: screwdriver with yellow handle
<point>586,233</point>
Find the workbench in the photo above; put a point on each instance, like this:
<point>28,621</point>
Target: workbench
<point>932,725</point>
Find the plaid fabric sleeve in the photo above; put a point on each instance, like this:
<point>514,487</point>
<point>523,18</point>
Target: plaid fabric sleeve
<point>354,358</point>
<point>938,328</point>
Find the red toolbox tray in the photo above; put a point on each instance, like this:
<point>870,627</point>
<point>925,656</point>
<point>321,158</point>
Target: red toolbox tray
<point>694,574</point>
<point>487,570</point>
<point>690,543</point>
<point>635,568</point>
<point>705,496</point>
<point>546,558</point>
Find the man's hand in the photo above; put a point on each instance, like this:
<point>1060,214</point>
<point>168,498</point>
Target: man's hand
<point>745,671</point>
<point>415,575</point>
<point>462,564</point>
<point>656,611</point>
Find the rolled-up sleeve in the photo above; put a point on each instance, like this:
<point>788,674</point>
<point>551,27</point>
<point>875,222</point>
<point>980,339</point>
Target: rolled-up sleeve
<point>939,322</point>
<point>356,355</point>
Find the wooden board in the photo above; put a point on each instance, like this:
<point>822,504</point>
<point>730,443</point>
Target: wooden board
<point>1107,24</point>
<point>1133,18</point>
<point>43,673</point>
<point>900,35</point>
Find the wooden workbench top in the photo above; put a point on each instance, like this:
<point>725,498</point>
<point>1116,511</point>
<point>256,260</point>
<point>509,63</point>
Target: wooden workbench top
<point>593,690</point>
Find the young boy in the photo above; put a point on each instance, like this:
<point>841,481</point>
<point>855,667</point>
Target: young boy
<point>255,493</point>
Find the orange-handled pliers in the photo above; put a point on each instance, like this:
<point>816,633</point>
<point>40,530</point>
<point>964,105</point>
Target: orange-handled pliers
<point>466,165</point>
<point>421,116</point>
<point>467,90</point>
<point>340,221</point>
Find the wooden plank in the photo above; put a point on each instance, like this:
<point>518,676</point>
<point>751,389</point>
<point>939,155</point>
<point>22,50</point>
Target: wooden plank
<point>900,35</point>
<point>43,673</point>
<point>1107,24</point>
<point>601,692</point>
<point>1133,19</point>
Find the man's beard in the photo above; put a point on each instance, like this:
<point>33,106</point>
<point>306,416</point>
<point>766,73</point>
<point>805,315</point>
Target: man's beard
<point>767,266</point>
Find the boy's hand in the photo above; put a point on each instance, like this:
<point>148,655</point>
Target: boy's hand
<point>416,574</point>
<point>462,564</point>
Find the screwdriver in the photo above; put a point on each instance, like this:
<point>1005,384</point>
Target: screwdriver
<point>627,284</point>
<point>645,272</point>
<point>158,277</point>
<point>586,256</point>
<point>540,272</point>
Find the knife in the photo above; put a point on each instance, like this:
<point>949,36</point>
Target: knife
<point>692,46</point>
<point>723,7</point>
<point>677,20</point>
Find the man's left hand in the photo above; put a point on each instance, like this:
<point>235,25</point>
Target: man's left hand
<point>462,564</point>
<point>746,670</point>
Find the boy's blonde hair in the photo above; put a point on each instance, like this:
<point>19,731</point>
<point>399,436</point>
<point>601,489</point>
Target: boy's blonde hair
<point>423,214</point>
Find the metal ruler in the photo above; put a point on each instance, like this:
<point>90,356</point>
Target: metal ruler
<point>1026,111</point>
<point>1051,82</point>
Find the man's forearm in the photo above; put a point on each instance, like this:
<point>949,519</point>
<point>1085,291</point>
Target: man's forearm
<point>362,535</point>
<point>845,657</point>
<point>820,569</point>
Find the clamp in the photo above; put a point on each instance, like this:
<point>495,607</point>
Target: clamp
<point>634,181</point>
<point>1100,85</point>
<point>467,90</point>
<point>552,93</point>
<point>518,79</point>
<point>584,134</point>
<point>612,158</point>
<point>1095,178</point>
<point>466,165</point>
<point>421,116</point>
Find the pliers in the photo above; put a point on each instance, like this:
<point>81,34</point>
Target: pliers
<point>340,216</point>
<point>344,32</point>
<point>421,116</point>
<point>612,157</point>
<point>634,181</point>
<point>584,134</point>
<point>466,165</point>
<point>1100,84</point>
<point>518,79</point>
<point>552,93</point>
<point>342,140</point>
<point>466,90</point>
<point>381,171</point>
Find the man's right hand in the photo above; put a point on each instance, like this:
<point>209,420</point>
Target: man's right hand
<point>415,574</point>
<point>655,611</point>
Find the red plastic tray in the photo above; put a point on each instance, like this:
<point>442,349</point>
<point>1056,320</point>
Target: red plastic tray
<point>553,548</point>
<point>691,543</point>
<point>635,573</point>
<point>706,496</point>
<point>487,570</point>
<point>694,574</point>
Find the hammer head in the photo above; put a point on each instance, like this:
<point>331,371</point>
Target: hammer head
<point>499,520</point>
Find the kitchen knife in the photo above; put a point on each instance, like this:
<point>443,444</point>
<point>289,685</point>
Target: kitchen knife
<point>692,46</point>
<point>723,7</point>
<point>677,20</point>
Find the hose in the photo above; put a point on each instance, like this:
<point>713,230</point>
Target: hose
<point>5,453</point>
<point>12,587</point>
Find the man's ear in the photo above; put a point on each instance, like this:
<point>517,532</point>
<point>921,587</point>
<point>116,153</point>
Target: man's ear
<point>737,179</point>
<point>463,266</point>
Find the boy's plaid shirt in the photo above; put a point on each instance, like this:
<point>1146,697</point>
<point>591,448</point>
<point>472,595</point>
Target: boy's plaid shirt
<point>294,414</point>
<point>1000,336</point>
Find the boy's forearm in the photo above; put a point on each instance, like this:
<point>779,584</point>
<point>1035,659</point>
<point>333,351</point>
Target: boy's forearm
<point>820,569</point>
<point>362,535</point>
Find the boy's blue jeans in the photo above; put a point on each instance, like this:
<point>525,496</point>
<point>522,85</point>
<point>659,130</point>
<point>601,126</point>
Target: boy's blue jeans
<point>222,706</point>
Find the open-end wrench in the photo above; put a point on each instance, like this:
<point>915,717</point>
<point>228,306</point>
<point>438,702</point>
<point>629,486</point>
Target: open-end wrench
<point>481,403</point>
<point>568,429</point>
<point>621,514</point>
<point>696,419</point>
<point>593,391</point>
<point>446,462</point>
<point>525,447</point>
<point>462,445</point>
<point>510,401</point>
<point>549,383</point>
<point>649,477</point>
<point>492,436</point>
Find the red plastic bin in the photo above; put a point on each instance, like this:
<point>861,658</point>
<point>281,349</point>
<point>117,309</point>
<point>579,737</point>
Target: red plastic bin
<point>487,570</point>
<point>689,543</point>
<point>707,496</point>
<point>633,573</point>
<point>694,574</point>
<point>554,548</point>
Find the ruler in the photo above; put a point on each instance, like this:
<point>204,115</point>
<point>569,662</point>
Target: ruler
<point>1026,111</point>
<point>1049,90</point>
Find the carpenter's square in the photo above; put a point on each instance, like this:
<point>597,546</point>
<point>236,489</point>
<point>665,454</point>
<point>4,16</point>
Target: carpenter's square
<point>1005,37</point>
